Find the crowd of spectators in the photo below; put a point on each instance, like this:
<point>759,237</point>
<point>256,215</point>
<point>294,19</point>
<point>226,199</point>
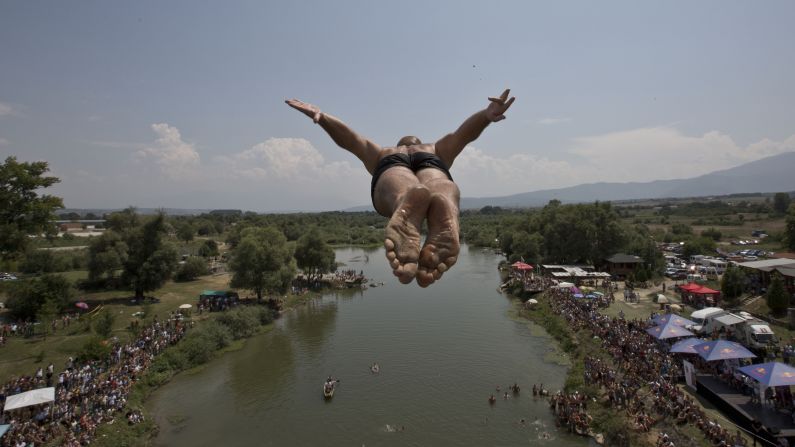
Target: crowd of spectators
<point>570,412</point>
<point>87,393</point>
<point>636,361</point>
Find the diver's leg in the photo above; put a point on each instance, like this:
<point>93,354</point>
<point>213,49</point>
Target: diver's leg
<point>400,196</point>
<point>442,246</point>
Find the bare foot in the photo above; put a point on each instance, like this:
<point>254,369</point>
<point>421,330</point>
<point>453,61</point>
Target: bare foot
<point>402,241</point>
<point>441,247</point>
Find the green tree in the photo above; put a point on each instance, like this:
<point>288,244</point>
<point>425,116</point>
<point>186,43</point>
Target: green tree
<point>47,313</point>
<point>313,254</point>
<point>732,284</point>
<point>103,325</point>
<point>186,231</point>
<point>776,296</point>
<point>209,249</point>
<point>789,231</point>
<point>27,297</point>
<point>106,256</point>
<point>192,268</point>
<point>698,246</point>
<point>123,221</point>
<point>150,260</point>
<point>22,210</point>
<point>262,261</point>
<point>525,246</point>
<point>781,202</point>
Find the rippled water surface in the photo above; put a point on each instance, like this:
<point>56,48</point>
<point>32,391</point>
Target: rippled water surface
<point>442,352</point>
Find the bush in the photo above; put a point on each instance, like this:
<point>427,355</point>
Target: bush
<point>93,349</point>
<point>266,315</point>
<point>199,345</point>
<point>103,325</point>
<point>192,269</point>
<point>241,322</point>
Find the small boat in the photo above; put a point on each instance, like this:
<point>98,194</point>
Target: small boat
<point>328,391</point>
<point>375,369</point>
<point>328,388</point>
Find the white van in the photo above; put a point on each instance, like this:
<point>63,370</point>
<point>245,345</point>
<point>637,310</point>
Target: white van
<point>702,316</point>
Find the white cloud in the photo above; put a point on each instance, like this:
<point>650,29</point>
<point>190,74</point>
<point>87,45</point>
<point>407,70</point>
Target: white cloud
<point>640,155</point>
<point>174,157</point>
<point>665,153</point>
<point>292,160</point>
<point>7,110</point>
<point>479,174</point>
<point>551,121</point>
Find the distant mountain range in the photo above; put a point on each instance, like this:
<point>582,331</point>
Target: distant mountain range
<point>771,174</point>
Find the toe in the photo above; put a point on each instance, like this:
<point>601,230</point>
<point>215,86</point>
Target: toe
<point>424,278</point>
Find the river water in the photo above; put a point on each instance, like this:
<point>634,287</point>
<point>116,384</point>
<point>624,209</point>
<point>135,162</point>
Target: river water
<point>442,352</point>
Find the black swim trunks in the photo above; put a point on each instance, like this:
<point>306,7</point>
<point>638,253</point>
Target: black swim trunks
<point>416,162</point>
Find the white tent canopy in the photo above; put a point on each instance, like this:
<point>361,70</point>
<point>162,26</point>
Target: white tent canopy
<point>28,398</point>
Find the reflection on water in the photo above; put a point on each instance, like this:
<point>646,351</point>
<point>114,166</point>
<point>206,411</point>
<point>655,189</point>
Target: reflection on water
<point>442,352</point>
<point>310,325</point>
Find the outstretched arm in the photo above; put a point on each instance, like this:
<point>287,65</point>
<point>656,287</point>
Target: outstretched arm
<point>449,146</point>
<point>364,149</point>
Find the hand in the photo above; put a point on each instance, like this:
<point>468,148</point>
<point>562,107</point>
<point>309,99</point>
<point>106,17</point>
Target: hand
<point>307,109</point>
<point>497,107</point>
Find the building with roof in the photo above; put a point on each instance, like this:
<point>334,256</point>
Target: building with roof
<point>620,265</point>
<point>759,273</point>
<point>574,273</point>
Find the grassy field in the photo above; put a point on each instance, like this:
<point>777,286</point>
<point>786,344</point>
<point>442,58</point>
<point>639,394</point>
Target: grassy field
<point>25,355</point>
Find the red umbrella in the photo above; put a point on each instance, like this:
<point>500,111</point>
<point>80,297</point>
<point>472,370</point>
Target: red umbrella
<point>521,266</point>
<point>81,305</point>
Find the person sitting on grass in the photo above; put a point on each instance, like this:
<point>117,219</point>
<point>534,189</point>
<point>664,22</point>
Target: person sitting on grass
<point>412,183</point>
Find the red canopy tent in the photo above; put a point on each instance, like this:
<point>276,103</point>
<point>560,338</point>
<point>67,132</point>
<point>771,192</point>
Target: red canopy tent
<point>690,287</point>
<point>698,295</point>
<point>703,290</point>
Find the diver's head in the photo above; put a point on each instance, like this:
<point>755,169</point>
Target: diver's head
<point>409,141</point>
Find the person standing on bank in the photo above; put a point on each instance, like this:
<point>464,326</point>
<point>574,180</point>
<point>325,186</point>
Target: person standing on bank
<point>407,193</point>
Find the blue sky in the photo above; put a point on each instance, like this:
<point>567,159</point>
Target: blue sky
<point>180,104</point>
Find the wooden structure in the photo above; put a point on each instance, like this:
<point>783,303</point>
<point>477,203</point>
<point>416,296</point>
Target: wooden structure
<point>620,265</point>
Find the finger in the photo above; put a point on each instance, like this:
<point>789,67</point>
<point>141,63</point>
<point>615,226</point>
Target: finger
<point>497,100</point>
<point>505,94</point>
<point>510,101</point>
<point>499,118</point>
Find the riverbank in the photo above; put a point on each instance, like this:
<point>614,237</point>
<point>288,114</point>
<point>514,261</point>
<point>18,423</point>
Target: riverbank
<point>211,338</point>
<point>616,427</point>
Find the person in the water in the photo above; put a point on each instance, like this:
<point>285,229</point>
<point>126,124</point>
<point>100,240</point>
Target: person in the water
<point>411,183</point>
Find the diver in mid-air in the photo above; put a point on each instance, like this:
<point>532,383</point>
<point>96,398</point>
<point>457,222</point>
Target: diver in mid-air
<point>412,182</point>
